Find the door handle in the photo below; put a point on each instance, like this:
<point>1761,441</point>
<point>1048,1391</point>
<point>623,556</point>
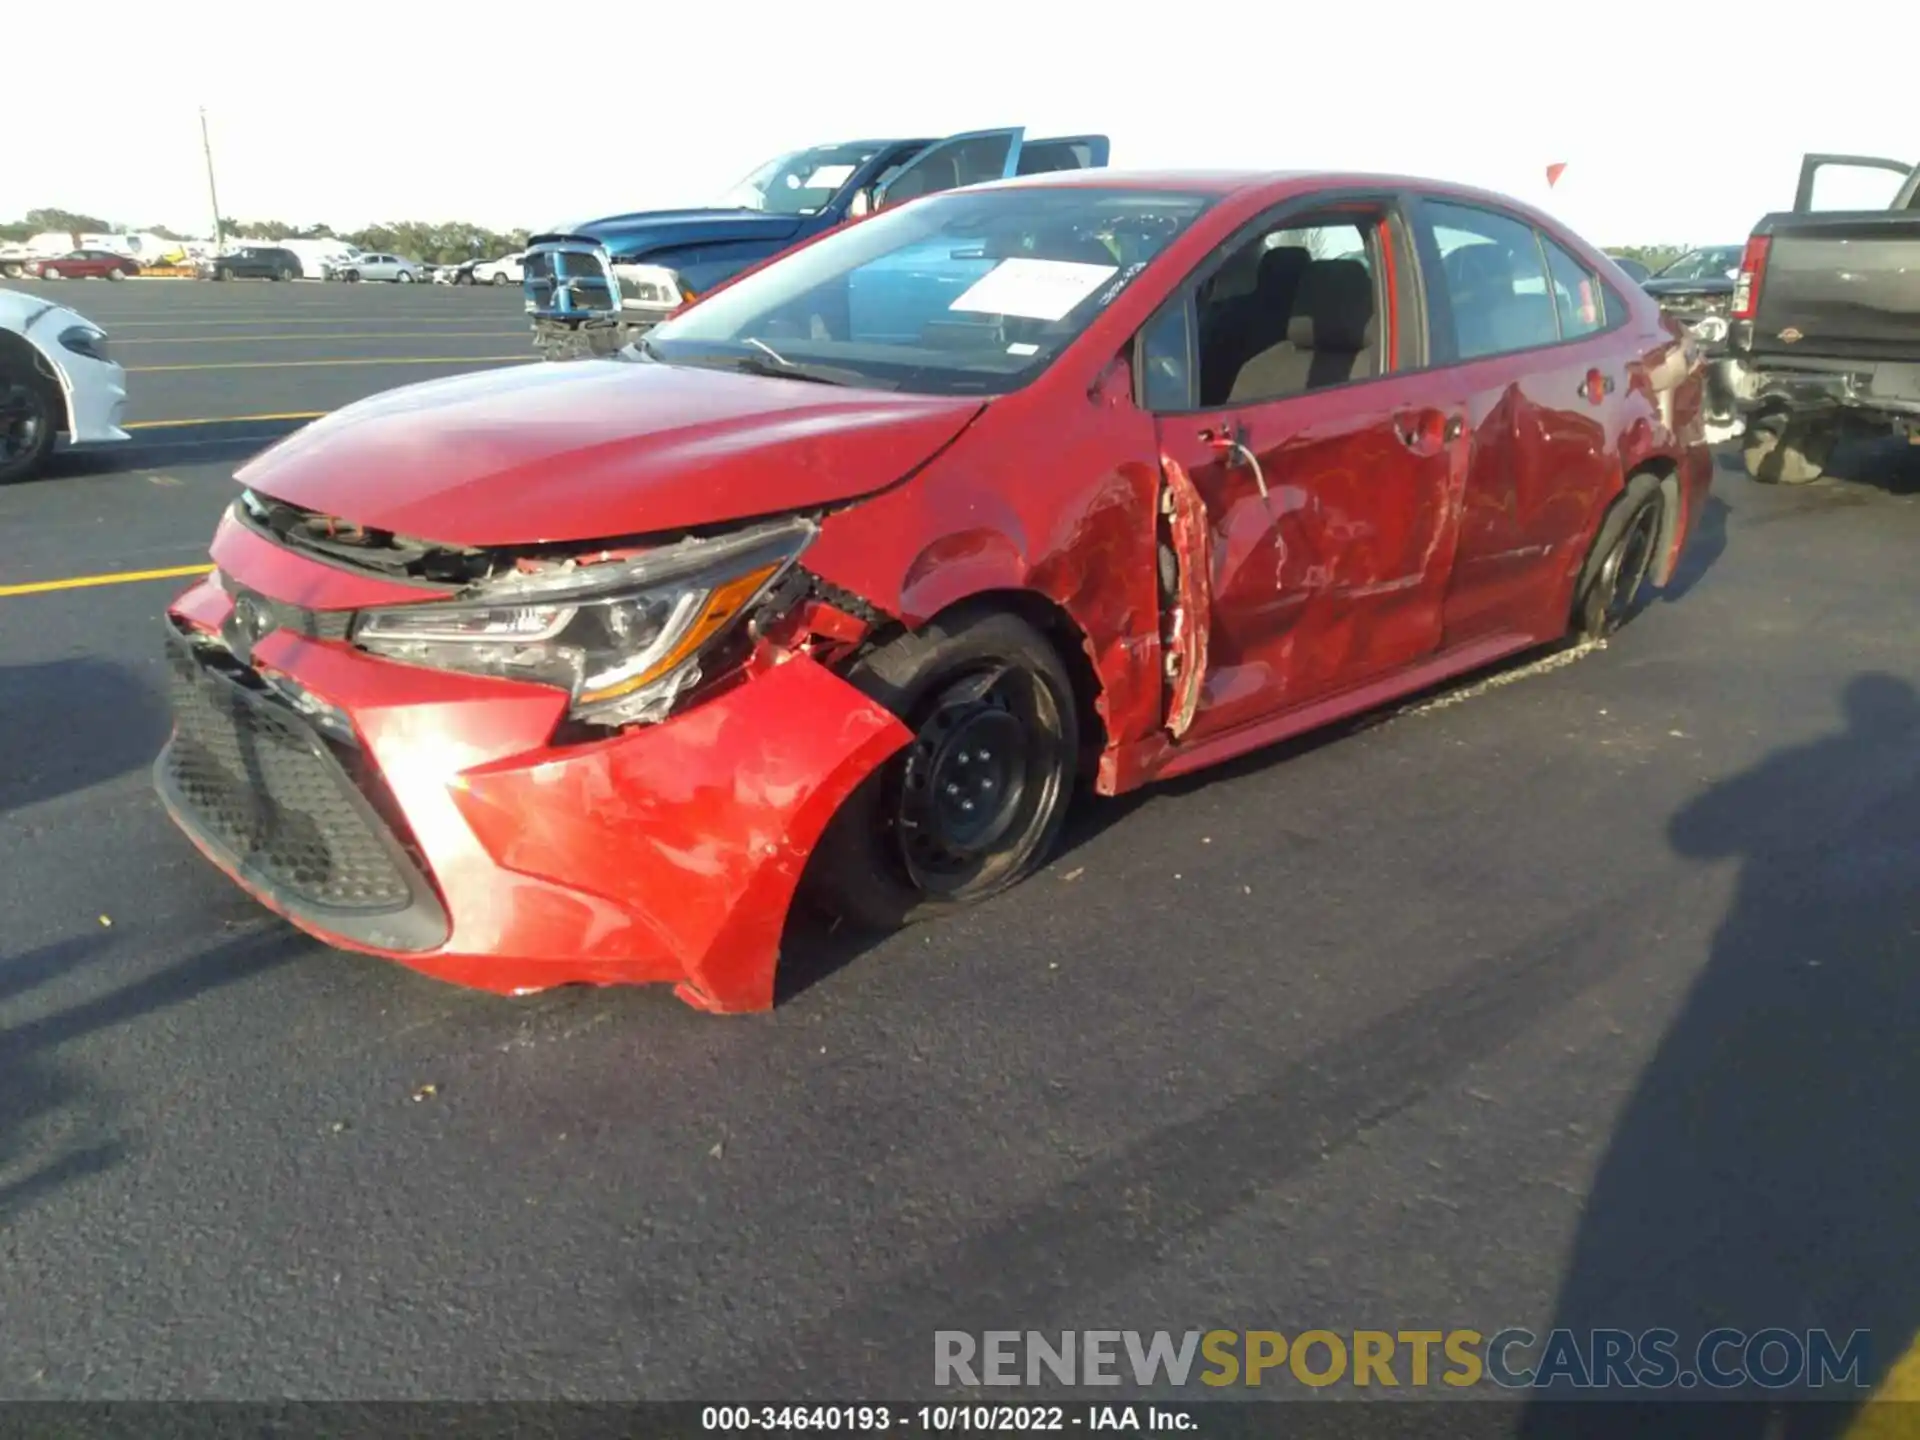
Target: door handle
<point>1426,431</point>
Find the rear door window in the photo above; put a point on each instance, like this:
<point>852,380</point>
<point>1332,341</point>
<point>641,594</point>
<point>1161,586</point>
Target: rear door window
<point>1491,279</point>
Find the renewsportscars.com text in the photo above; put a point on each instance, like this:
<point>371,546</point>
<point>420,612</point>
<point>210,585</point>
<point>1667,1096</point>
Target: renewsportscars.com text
<point>1513,1359</point>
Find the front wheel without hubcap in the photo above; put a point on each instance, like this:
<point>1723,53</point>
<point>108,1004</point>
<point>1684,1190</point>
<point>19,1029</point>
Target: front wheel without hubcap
<point>976,800</point>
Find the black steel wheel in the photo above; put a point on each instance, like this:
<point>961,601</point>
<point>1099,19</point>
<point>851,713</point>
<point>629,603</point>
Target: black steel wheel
<point>28,421</point>
<point>1622,559</point>
<point>975,802</point>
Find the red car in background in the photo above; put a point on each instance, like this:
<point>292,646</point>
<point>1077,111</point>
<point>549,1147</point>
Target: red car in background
<point>84,265</point>
<point>846,578</point>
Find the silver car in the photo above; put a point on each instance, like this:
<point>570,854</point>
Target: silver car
<point>378,266</point>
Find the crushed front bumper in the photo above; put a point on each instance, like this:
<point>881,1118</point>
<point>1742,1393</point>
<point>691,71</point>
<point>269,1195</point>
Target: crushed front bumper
<point>432,820</point>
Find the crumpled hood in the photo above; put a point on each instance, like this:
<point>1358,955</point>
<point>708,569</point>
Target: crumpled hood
<point>594,449</point>
<point>645,231</point>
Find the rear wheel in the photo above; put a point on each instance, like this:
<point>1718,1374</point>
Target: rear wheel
<point>1793,454</point>
<point>49,273</point>
<point>1620,561</point>
<point>976,801</point>
<point>29,416</point>
<point>353,276</point>
<point>116,275</point>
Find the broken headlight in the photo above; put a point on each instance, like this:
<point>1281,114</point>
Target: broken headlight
<point>624,638</point>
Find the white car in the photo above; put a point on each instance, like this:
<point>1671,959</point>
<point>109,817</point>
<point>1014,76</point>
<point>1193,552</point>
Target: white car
<point>504,271</point>
<point>55,380</point>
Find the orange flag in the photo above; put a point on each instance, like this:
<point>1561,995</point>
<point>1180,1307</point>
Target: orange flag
<point>1554,172</point>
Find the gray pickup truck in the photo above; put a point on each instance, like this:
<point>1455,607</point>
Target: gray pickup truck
<point>1824,332</point>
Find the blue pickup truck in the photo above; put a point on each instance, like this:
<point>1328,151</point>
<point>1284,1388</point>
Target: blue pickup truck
<point>593,287</point>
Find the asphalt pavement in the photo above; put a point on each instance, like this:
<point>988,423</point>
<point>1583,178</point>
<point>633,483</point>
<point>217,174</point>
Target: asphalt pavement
<point>1582,995</point>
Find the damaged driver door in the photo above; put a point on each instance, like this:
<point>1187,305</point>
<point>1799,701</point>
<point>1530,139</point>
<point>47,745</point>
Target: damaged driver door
<point>1309,490</point>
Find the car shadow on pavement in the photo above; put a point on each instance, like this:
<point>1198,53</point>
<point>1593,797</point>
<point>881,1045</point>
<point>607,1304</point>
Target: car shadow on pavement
<point>72,724</point>
<point>1705,546</point>
<point>58,1125</point>
<point>1764,1171</point>
<point>1884,462</point>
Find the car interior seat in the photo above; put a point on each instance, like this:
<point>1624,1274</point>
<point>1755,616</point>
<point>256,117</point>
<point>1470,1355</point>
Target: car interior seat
<point>1329,337</point>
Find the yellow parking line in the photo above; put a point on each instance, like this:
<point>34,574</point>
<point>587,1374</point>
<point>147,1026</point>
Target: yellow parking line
<point>82,582</point>
<point>223,420</point>
<point>307,364</point>
<point>1888,1413</point>
<point>315,339</point>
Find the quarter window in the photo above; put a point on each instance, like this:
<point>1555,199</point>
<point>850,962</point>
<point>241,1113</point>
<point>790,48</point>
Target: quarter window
<point>1576,293</point>
<point>1493,278</point>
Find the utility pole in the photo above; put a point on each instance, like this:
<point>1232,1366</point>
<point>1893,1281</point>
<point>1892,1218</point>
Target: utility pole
<point>219,237</point>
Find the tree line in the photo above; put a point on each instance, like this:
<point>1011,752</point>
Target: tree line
<point>451,242</point>
<point>437,243</point>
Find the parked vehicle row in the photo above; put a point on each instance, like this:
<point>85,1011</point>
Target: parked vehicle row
<point>842,582</point>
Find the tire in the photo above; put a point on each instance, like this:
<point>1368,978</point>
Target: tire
<point>405,277</point>
<point>498,279</point>
<point>1795,454</point>
<point>977,801</point>
<point>352,277</point>
<point>29,420</point>
<point>49,273</point>
<point>116,275</point>
<point>1622,557</point>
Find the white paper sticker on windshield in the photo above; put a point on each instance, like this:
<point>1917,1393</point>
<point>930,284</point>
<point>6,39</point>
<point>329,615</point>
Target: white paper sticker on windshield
<point>1022,348</point>
<point>828,177</point>
<point>1033,289</point>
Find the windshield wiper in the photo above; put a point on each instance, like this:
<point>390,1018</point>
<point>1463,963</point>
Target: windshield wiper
<point>781,368</point>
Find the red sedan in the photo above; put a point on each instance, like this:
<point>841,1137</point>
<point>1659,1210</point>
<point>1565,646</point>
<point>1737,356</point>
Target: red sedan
<point>847,578</point>
<point>84,265</point>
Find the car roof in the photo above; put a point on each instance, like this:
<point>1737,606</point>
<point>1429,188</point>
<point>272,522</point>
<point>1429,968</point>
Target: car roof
<point>1267,185</point>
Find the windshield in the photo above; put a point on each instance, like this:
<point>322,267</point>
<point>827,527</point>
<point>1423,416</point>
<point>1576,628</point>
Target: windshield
<point>1717,262</point>
<point>802,182</point>
<point>968,292</point>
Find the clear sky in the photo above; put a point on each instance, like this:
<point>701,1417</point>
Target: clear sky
<point>1675,124</point>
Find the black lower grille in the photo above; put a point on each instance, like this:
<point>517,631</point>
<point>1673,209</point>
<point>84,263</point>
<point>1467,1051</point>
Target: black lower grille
<point>258,783</point>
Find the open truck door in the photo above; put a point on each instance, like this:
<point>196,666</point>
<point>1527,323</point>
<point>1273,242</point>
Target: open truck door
<point>1871,188</point>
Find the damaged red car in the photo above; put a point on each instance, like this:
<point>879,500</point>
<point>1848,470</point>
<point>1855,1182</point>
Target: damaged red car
<point>847,579</point>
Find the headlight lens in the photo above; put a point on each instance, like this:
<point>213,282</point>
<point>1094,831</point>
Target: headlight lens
<point>85,340</point>
<point>623,638</point>
<point>650,284</point>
